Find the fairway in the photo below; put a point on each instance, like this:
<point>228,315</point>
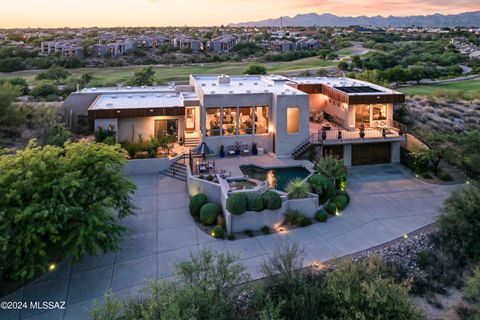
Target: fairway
<point>469,88</point>
<point>166,73</point>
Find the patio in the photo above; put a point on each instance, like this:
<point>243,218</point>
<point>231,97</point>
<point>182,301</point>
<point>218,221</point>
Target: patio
<point>386,202</point>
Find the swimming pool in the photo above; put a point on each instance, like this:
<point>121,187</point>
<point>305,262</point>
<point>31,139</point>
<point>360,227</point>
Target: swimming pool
<point>277,178</point>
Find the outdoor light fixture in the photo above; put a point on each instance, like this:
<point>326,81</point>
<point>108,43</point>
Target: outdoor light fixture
<point>405,236</point>
<point>52,267</point>
<point>468,182</point>
<point>281,229</point>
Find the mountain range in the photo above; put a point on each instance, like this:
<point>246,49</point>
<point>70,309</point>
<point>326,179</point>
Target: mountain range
<point>467,19</point>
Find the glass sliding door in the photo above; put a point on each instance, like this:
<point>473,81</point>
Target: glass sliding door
<point>167,127</point>
<point>362,115</point>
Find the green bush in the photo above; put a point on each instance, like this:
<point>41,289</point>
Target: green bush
<point>217,232</point>
<point>321,215</point>
<point>445,177</point>
<point>231,236</point>
<point>340,201</point>
<point>303,222</point>
<point>424,259</point>
<point>208,213</point>
<point>297,219</point>
<point>272,200</point>
<point>237,203</point>
<point>331,208</point>
<point>249,233</point>
<point>254,202</point>
<point>196,204</point>
<point>322,186</point>
<point>343,193</point>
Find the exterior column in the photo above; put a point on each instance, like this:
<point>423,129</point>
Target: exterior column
<point>347,155</point>
<point>395,152</point>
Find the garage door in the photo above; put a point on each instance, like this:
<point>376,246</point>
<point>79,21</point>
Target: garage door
<point>371,153</point>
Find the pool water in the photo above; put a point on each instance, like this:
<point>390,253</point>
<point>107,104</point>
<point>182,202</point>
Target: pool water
<point>277,178</point>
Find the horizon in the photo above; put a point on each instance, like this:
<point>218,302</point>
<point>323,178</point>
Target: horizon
<point>158,13</point>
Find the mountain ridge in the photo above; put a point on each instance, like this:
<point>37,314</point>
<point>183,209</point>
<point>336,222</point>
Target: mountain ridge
<point>465,19</point>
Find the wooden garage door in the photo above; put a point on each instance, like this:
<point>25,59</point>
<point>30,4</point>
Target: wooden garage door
<point>371,153</point>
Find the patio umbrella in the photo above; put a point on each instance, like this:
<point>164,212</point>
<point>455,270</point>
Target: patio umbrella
<point>203,148</point>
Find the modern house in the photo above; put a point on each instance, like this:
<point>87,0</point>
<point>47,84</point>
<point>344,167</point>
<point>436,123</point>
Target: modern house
<point>308,44</point>
<point>222,44</point>
<point>186,43</point>
<point>284,116</point>
<point>282,45</point>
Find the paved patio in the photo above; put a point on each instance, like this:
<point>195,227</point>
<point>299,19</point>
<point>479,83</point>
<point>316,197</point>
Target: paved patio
<point>386,202</point>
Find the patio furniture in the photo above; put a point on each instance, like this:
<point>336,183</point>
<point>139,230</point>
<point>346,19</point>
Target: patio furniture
<point>317,117</point>
<point>260,151</point>
<point>211,165</point>
<point>245,150</point>
<point>231,150</point>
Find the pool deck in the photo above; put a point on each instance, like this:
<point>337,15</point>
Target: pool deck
<point>232,164</point>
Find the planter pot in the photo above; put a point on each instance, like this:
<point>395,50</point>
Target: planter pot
<point>255,152</point>
<point>222,154</point>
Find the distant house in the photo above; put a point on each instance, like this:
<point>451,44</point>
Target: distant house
<point>366,30</point>
<point>183,42</point>
<point>222,44</point>
<point>150,41</point>
<point>64,48</point>
<point>282,45</point>
<point>308,44</point>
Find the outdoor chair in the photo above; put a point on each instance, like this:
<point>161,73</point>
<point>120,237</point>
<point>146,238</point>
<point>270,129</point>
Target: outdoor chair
<point>211,165</point>
<point>231,151</point>
<point>245,150</point>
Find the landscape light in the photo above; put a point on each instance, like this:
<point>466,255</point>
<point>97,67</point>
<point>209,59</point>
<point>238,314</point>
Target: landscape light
<point>52,267</point>
<point>467,182</point>
<point>405,236</point>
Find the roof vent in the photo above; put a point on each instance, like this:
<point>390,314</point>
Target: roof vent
<point>223,79</point>
<point>109,104</point>
<point>114,97</point>
<point>203,84</point>
<point>231,91</point>
<point>129,96</point>
<point>214,84</point>
<point>212,92</point>
<point>240,83</point>
<point>255,83</point>
<point>266,91</point>
<point>249,91</point>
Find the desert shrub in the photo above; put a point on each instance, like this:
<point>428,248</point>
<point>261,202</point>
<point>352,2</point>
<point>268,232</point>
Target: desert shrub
<point>322,186</point>
<point>331,208</point>
<point>297,189</point>
<point>237,203</point>
<point>217,232</point>
<point>334,168</point>
<point>343,193</point>
<point>208,213</point>
<point>266,230</point>
<point>419,160</point>
<point>459,224</point>
<point>444,176</point>
<point>231,236</point>
<point>424,259</point>
<point>248,233</point>
<point>340,201</point>
<point>272,200</point>
<point>472,289</point>
<point>297,219</point>
<point>254,202</point>
<point>107,136</point>
<point>196,203</point>
<point>321,215</point>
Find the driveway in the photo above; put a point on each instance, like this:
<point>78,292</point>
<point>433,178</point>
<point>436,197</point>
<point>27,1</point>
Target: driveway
<point>386,202</point>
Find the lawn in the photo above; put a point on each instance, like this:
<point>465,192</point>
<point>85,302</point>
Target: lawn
<point>467,88</point>
<point>166,73</point>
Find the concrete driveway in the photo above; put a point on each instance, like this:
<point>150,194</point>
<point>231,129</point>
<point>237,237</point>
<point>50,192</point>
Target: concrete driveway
<point>386,202</point>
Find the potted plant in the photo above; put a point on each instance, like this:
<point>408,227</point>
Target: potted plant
<point>222,151</point>
<point>362,130</point>
<point>254,149</point>
<point>238,149</point>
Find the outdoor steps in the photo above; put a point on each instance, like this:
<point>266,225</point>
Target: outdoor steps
<point>177,170</point>
<point>192,142</point>
<point>300,151</point>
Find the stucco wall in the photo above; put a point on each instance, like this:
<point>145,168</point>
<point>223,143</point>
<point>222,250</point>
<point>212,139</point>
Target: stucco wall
<point>210,189</point>
<point>308,206</point>
<point>144,126</point>
<point>147,166</point>
<point>262,140</point>
<point>257,220</point>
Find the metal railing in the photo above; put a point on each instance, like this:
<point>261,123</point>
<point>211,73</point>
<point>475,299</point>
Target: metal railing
<point>343,135</point>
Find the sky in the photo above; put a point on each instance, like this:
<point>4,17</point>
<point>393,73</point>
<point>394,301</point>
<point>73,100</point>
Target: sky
<point>113,13</point>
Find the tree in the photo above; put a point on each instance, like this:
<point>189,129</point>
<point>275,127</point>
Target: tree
<point>142,77</point>
<point>10,115</point>
<point>85,79</point>
<point>439,147</point>
<point>395,75</point>
<point>45,89</point>
<point>55,73</point>
<point>342,65</point>
<point>20,83</point>
<point>256,69</point>
<point>60,202</point>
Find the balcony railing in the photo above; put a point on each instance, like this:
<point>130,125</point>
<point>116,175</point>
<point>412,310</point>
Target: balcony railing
<point>342,135</point>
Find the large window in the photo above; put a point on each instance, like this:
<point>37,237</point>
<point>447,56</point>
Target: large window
<point>293,120</point>
<point>261,120</point>
<point>379,112</point>
<point>213,122</point>
<point>229,121</point>
<point>245,124</point>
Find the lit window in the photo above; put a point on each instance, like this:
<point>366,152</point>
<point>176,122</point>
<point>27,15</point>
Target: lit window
<point>261,120</point>
<point>293,123</point>
<point>229,123</point>
<point>245,125</point>
<point>379,112</point>
<point>213,121</point>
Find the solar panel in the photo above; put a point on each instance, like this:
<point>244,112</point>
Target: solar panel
<point>359,89</point>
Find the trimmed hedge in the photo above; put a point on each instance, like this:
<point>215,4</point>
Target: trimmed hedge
<point>343,193</point>
<point>272,200</point>
<point>254,202</point>
<point>322,186</point>
<point>196,203</point>
<point>331,208</point>
<point>321,215</point>
<point>217,232</point>
<point>237,203</point>
<point>340,201</point>
<point>208,213</point>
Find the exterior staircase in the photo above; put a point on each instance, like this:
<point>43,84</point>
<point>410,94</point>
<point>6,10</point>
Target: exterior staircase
<point>301,150</point>
<point>191,142</point>
<point>177,170</point>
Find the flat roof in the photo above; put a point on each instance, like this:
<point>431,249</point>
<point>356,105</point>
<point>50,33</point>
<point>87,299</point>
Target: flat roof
<point>247,84</point>
<point>137,101</point>
<point>347,85</point>
<point>129,89</point>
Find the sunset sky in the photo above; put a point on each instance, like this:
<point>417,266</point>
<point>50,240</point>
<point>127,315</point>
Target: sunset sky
<point>104,13</point>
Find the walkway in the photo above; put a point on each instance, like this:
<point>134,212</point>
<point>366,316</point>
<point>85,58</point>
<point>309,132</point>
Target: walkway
<point>385,204</point>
